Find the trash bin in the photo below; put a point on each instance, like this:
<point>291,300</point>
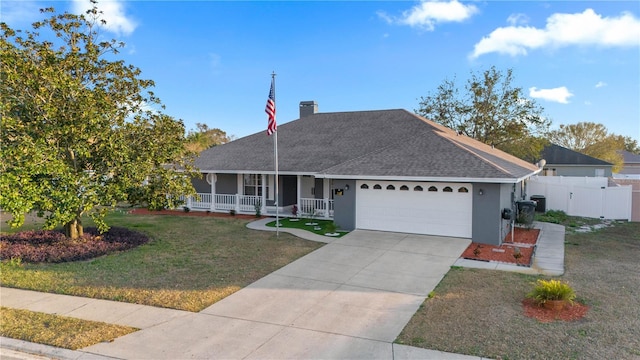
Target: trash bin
<point>526,212</point>
<point>541,203</point>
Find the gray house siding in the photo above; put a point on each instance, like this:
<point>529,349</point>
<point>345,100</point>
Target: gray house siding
<point>344,214</point>
<point>201,185</point>
<point>226,184</point>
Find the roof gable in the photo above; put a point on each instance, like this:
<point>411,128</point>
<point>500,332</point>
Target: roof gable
<point>366,143</point>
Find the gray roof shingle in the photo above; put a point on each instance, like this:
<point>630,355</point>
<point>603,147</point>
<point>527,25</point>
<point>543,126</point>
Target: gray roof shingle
<point>381,143</point>
<point>557,155</point>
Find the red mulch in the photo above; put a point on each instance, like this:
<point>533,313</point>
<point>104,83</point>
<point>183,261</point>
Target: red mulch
<point>140,211</point>
<point>572,312</point>
<point>524,239</point>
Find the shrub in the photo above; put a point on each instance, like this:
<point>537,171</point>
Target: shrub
<point>545,290</point>
<point>186,209</point>
<point>54,247</point>
<point>232,212</point>
<point>553,216</point>
<point>331,228</point>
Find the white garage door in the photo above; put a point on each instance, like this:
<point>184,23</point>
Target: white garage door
<point>415,207</point>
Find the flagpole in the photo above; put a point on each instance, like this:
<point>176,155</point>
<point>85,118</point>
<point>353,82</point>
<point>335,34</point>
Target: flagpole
<point>275,159</point>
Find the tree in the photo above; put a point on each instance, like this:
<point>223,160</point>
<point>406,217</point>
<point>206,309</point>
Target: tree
<point>205,137</point>
<point>490,110</point>
<point>594,140</point>
<point>77,133</point>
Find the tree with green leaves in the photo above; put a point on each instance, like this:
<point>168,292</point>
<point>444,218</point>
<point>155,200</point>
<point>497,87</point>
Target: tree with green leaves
<point>205,137</point>
<point>490,109</point>
<point>78,133</point>
<point>594,140</point>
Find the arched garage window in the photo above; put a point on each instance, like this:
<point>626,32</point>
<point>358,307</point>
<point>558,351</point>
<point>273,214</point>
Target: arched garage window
<point>404,188</point>
<point>433,188</point>
<point>463,190</point>
<point>447,189</point>
<point>417,188</point>
<point>364,186</point>
<point>391,187</point>
<point>377,187</point>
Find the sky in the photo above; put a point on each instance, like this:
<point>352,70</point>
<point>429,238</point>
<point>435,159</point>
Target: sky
<point>212,61</point>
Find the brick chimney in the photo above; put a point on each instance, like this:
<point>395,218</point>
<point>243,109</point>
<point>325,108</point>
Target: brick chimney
<point>308,108</point>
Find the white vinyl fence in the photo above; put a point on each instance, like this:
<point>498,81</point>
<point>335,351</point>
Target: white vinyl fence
<point>586,197</point>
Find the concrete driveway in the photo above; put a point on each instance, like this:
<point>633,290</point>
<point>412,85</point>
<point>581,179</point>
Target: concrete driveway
<point>348,299</point>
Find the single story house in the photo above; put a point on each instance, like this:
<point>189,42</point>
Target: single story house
<point>386,170</point>
<point>631,165</point>
<point>561,161</point>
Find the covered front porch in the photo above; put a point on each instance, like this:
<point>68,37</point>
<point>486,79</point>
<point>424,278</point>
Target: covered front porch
<point>248,193</point>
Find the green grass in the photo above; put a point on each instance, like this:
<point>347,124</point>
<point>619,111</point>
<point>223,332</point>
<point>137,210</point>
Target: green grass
<point>55,330</point>
<point>479,312</point>
<point>302,224</point>
<point>190,263</point>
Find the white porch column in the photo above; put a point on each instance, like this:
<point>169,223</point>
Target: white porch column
<point>326,192</point>
<point>263,200</point>
<point>298,186</point>
<point>239,192</point>
<point>212,206</point>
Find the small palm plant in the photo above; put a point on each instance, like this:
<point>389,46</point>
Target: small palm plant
<point>549,290</point>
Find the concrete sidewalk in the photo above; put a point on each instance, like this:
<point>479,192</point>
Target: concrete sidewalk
<point>348,299</point>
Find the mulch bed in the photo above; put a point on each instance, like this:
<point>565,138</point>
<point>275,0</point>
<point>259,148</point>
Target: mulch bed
<point>524,241</point>
<point>140,211</point>
<point>571,312</point>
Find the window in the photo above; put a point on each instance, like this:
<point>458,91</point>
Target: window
<point>417,188</point>
<point>252,184</point>
<point>447,189</point>
<point>433,188</point>
<point>364,186</point>
<point>463,190</point>
<point>404,188</point>
<point>377,187</point>
<point>600,172</point>
<point>391,187</point>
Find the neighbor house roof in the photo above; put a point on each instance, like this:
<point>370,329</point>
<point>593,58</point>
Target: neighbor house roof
<point>630,158</point>
<point>367,144</point>
<point>558,155</point>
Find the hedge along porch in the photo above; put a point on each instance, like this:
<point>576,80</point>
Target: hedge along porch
<point>326,158</point>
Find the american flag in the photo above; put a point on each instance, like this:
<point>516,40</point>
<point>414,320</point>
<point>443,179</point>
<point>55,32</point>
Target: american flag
<point>270,109</point>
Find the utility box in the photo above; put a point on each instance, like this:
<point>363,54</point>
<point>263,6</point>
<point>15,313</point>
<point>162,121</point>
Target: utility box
<point>541,203</point>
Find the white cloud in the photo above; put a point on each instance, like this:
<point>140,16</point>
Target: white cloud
<point>113,13</point>
<point>559,94</point>
<point>517,19</point>
<point>601,84</point>
<point>586,28</point>
<point>429,13</point>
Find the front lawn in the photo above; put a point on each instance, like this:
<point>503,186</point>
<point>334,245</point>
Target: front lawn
<point>190,263</point>
<point>479,312</point>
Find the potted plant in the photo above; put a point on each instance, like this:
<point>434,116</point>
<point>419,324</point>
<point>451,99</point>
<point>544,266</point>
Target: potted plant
<point>258,208</point>
<point>294,212</point>
<point>552,294</point>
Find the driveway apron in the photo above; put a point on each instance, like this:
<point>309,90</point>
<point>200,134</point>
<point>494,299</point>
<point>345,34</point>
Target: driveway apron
<point>348,299</point>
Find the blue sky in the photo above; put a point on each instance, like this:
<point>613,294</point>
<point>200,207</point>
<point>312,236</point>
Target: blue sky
<point>211,60</point>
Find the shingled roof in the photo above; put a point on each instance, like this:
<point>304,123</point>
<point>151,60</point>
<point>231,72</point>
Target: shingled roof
<point>382,144</point>
<point>558,155</point>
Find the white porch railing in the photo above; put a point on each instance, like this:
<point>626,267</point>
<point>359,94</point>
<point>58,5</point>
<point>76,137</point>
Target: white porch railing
<point>247,204</point>
<point>225,202</point>
<point>316,207</point>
